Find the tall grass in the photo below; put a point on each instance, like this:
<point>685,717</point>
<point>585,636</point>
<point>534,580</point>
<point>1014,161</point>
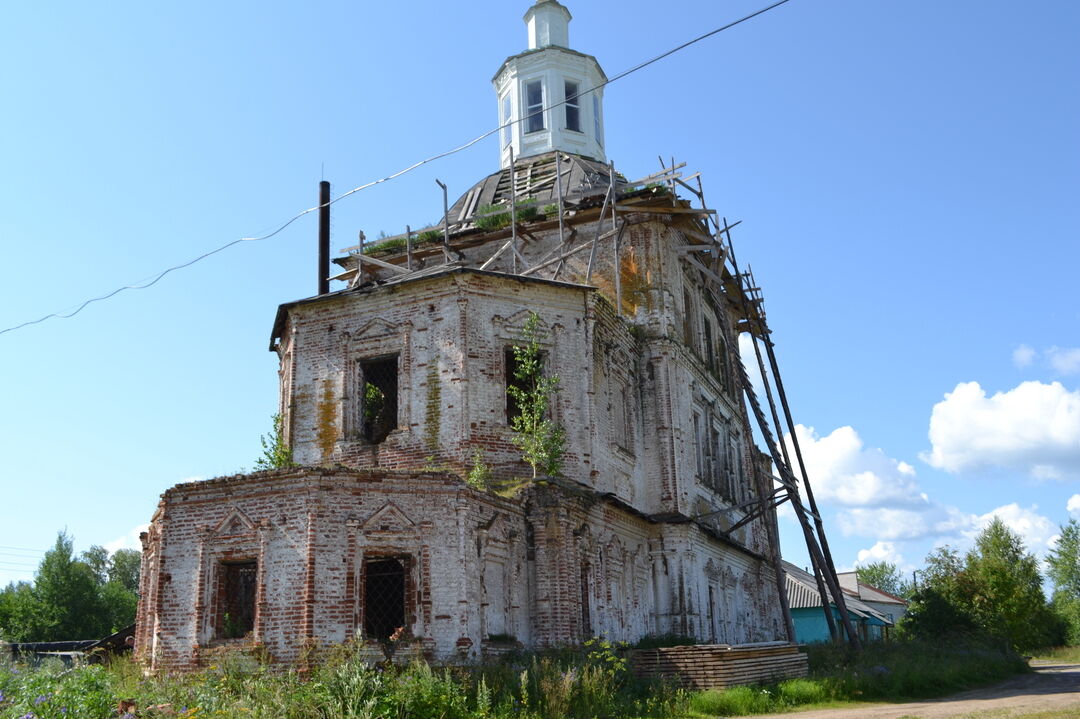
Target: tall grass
<point>579,684</point>
<point>1069,655</point>
<point>583,684</point>
<point>912,669</point>
<point>882,671</point>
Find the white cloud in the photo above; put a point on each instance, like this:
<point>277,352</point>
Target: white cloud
<point>886,524</point>
<point>1064,360</point>
<point>749,360</point>
<point>1073,506</point>
<point>128,541</point>
<point>1038,532</point>
<point>1034,427</point>
<point>880,552</point>
<point>1023,356</point>
<point>844,471</point>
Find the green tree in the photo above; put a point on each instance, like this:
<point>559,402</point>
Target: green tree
<point>1064,560</point>
<point>97,558</point>
<point>1063,568</point>
<point>66,591</point>
<point>19,612</point>
<point>995,589</point>
<point>540,440</point>
<point>884,576</point>
<point>1007,598</point>
<point>276,453</point>
<point>124,568</point>
<point>72,598</point>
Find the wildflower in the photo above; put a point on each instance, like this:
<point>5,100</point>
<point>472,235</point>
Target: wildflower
<point>40,699</point>
<point>29,715</point>
<point>2,697</point>
<point>63,710</point>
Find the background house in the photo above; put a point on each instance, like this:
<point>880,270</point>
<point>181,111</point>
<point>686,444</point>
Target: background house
<point>871,621</point>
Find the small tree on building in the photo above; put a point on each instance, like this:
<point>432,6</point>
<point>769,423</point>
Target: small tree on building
<point>541,440</point>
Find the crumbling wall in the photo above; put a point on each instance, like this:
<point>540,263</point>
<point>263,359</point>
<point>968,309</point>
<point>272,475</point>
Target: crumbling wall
<point>309,533</point>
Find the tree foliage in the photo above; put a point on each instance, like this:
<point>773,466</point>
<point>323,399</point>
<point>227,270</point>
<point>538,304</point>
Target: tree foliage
<point>1063,562</point>
<point>540,439</point>
<point>276,453</point>
<point>884,576</point>
<point>995,589</point>
<point>85,597</point>
<point>1063,568</point>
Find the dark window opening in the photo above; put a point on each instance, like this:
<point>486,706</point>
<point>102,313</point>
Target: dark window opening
<point>513,409</point>
<point>710,351</point>
<point>236,616</point>
<point>688,322</point>
<point>384,597</point>
<point>573,109</point>
<point>378,398</point>
<point>586,615</point>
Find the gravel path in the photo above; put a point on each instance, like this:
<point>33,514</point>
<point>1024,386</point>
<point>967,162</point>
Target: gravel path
<point>1050,687</point>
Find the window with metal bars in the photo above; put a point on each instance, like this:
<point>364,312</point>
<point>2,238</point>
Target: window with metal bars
<point>236,598</point>
<point>384,596</point>
<point>378,406</point>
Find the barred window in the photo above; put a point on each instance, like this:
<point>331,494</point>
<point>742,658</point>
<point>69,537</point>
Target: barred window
<point>236,598</point>
<point>378,405</point>
<point>384,596</point>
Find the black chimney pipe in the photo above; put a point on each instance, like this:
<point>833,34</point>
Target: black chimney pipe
<point>324,237</point>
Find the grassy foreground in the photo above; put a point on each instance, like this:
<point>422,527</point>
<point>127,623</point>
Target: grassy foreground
<point>1066,655</point>
<point>594,682</point>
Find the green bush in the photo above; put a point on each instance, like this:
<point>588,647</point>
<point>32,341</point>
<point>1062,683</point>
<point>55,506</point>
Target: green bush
<point>386,247</point>
<point>493,217</point>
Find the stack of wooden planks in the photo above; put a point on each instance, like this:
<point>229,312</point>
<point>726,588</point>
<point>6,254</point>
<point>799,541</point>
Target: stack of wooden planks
<point>718,666</point>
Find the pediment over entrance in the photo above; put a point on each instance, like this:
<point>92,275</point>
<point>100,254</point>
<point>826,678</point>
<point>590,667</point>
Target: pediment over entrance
<point>235,522</point>
<point>389,518</point>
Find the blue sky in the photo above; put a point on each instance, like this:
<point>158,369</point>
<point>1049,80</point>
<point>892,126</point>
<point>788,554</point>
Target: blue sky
<point>906,174</point>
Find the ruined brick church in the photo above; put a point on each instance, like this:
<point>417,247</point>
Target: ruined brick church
<point>394,387</point>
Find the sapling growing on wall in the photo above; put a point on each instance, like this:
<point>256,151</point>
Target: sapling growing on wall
<point>276,454</point>
<point>540,440</point>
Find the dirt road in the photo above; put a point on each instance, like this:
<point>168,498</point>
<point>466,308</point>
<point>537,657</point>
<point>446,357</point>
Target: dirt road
<point>1052,687</point>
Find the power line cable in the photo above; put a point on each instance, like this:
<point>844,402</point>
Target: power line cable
<point>24,549</point>
<point>410,168</point>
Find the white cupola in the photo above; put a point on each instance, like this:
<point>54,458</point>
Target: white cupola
<point>550,97</point>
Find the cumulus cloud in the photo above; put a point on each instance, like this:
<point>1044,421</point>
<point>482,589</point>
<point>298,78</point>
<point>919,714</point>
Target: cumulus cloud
<point>129,540</point>
<point>1023,356</point>
<point>884,524</point>
<point>1038,532</point>
<point>878,496</point>
<point>1073,506</point>
<point>880,552</point>
<point>1064,360</point>
<point>844,471</point>
<point>1034,427</point>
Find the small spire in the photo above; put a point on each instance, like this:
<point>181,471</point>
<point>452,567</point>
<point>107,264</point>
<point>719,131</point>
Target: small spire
<point>549,24</point>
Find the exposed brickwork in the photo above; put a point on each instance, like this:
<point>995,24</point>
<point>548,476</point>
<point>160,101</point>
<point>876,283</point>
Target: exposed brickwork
<point>627,542</point>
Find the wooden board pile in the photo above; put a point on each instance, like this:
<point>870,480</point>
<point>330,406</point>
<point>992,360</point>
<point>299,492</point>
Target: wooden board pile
<point>718,666</point>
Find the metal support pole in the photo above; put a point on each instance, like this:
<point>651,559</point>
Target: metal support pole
<point>513,216</point>
<point>446,223</point>
<point>558,190</point>
<point>324,237</point>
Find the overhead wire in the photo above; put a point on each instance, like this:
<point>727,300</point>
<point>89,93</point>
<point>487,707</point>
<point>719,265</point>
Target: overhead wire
<point>388,178</point>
